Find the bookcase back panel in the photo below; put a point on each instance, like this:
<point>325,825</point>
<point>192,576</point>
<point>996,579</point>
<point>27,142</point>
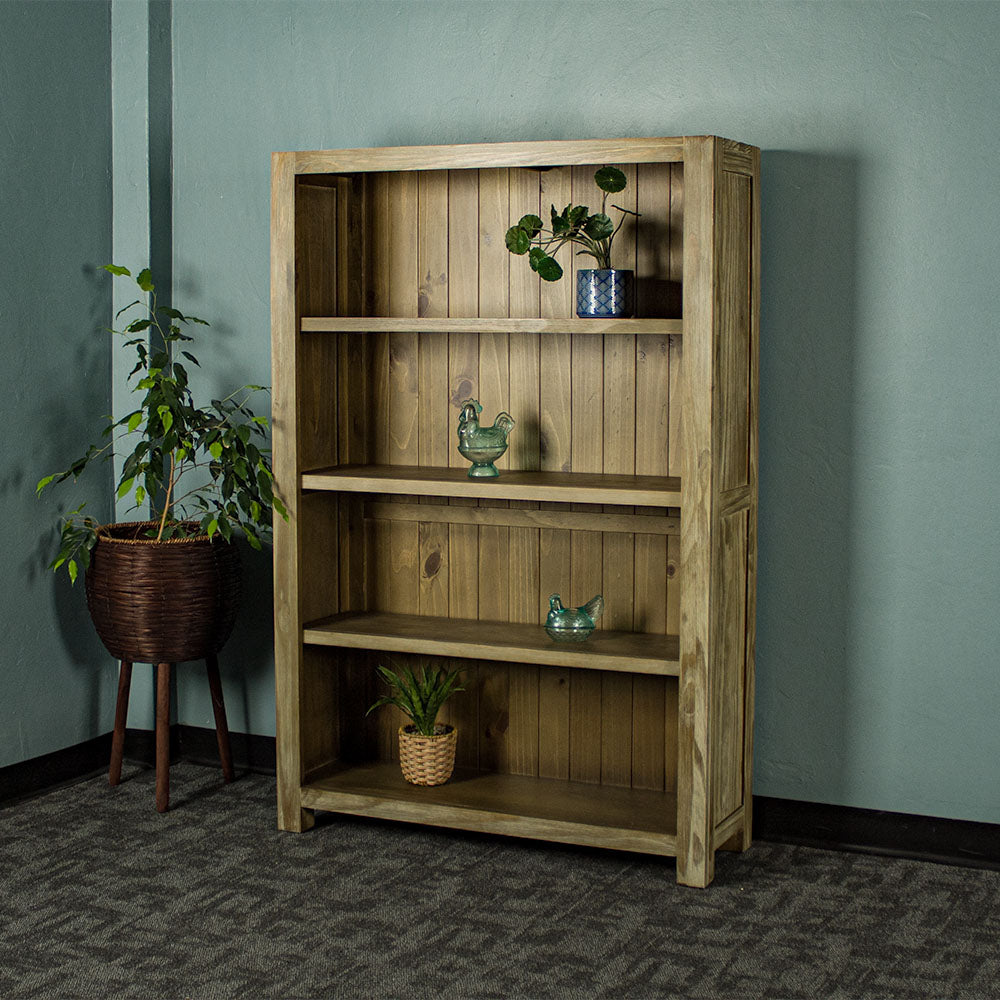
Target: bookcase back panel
<point>502,573</point>
<point>431,243</point>
<point>582,403</point>
<point>592,726</point>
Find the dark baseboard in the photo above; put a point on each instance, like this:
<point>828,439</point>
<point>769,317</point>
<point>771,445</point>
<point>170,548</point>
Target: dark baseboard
<point>782,821</point>
<point>250,752</point>
<point>54,770</point>
<point>871,831</point>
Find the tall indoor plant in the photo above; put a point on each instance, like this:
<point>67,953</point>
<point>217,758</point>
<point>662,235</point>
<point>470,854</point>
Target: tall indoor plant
<point>600,291</point>
<point>166,588</point>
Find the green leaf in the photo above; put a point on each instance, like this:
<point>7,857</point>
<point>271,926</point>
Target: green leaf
<point>517,240</point>
<point>215,450</point>
<point>145,280</point>
<point>610,179</point>
<point>166,417</point>
<point>72,567</point>
<point>599,227</point>
<point>577,214</point>
<point>125,487</point>
<point>138,326</point>
<point>213,527</point>
<point>547,267</point>
<point>116,269</point>
<point>140,494</point>
<point>191,358</point>
<point>42,483</point>
<point>531,224</point>
<point>560,221</point>
<point>135,420</point>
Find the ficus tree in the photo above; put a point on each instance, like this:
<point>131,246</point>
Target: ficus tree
<point>201,469</point>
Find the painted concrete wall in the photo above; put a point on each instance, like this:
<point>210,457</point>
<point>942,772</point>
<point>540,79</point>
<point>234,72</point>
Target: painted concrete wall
<point>57,684</point>
<point>879,546</point>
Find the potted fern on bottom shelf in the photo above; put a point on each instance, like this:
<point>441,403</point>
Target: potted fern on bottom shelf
<point>426,747</point>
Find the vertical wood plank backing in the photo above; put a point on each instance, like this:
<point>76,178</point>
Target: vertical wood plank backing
<point>618,586</point>
<point>555,453</point>
<point>729,664</point>
<point>653,293</point>
<point>316,289</point>
<point>523,543</point>
<point>320,716</point>
<point>433,429</point>
<point>586,547</point>
<point>353,393</point>
<point>316,249</point>
<point>494,388</point>
<point>553,683</point>
<point>695,857</point>
<point>287,617</point>
<point>463,383</point>
<point>734,330</point>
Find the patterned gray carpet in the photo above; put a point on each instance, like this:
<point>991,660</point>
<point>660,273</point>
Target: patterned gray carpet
<point>102,897</point>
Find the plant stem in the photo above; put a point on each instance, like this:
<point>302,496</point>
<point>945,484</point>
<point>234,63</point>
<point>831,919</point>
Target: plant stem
<point>166,502</point>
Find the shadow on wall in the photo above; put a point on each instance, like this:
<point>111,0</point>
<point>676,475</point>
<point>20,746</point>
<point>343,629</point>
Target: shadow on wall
<point>64,418</point>
<point>809,206</point>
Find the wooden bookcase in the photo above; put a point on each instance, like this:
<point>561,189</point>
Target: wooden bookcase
<point>632,472</point>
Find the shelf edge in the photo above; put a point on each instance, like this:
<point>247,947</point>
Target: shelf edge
<point>485,821</point>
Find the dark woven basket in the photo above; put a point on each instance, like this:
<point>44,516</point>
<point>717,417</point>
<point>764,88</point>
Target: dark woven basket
<point>162,602</point>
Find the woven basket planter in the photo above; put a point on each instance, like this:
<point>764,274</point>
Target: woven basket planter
<point>162,602</point>
<point>427,760</point>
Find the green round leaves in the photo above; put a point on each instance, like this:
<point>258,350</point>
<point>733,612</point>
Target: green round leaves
<point>547,267</point>
<point>594,234</point>
<point>610,179</point>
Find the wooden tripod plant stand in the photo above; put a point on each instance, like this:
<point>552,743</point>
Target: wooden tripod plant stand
<point>163,726</point>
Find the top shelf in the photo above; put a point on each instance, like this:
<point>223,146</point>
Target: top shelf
<point>489,324</point>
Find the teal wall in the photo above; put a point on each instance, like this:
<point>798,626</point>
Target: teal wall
<point>56,683</point>
<point>880,453</point>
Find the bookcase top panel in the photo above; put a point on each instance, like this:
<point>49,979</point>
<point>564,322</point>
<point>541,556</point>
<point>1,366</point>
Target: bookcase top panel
<point>562,152</point>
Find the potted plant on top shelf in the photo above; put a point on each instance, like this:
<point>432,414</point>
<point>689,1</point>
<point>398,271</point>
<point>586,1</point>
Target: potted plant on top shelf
<point>166,589</point>
<point>604,291</point>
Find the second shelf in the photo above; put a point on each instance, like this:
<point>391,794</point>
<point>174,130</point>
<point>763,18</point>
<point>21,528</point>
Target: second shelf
<point>630,652</point>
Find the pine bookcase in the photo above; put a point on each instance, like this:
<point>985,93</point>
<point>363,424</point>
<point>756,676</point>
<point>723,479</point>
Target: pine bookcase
<point>632,472</point>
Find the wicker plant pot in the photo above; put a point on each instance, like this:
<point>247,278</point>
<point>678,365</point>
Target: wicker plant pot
<point>162,602</point>
<point>427,760</point>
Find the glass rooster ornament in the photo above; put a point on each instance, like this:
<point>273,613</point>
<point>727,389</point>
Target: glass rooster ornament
<point>572,624</point>
<point>482,446</point>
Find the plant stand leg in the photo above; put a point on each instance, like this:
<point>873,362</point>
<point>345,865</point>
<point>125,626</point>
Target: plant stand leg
<point>121,714</point>
<point>219,707</point>
<point>162,736</point>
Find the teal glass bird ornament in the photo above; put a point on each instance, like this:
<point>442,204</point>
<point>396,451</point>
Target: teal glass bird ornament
<point>482,446</point>
<point>572,624</point>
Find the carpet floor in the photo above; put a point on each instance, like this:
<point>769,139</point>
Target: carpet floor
<point>101,897</point>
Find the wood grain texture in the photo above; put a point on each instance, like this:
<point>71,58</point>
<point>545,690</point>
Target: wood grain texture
<point>287,621</point>
<point>489,155</point>
<point>618,818</point>
<point>585,488</point>
<point>592,518</point>
<point>695,857</point>
<point>632,471</point>
<point>492,324</point>
<point>495,640</point>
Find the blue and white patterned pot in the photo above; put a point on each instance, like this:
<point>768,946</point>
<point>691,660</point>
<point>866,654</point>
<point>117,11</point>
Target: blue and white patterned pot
<point>604,293</point>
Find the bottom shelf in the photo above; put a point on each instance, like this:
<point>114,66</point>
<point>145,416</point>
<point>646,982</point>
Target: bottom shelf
<point>570,812</point>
